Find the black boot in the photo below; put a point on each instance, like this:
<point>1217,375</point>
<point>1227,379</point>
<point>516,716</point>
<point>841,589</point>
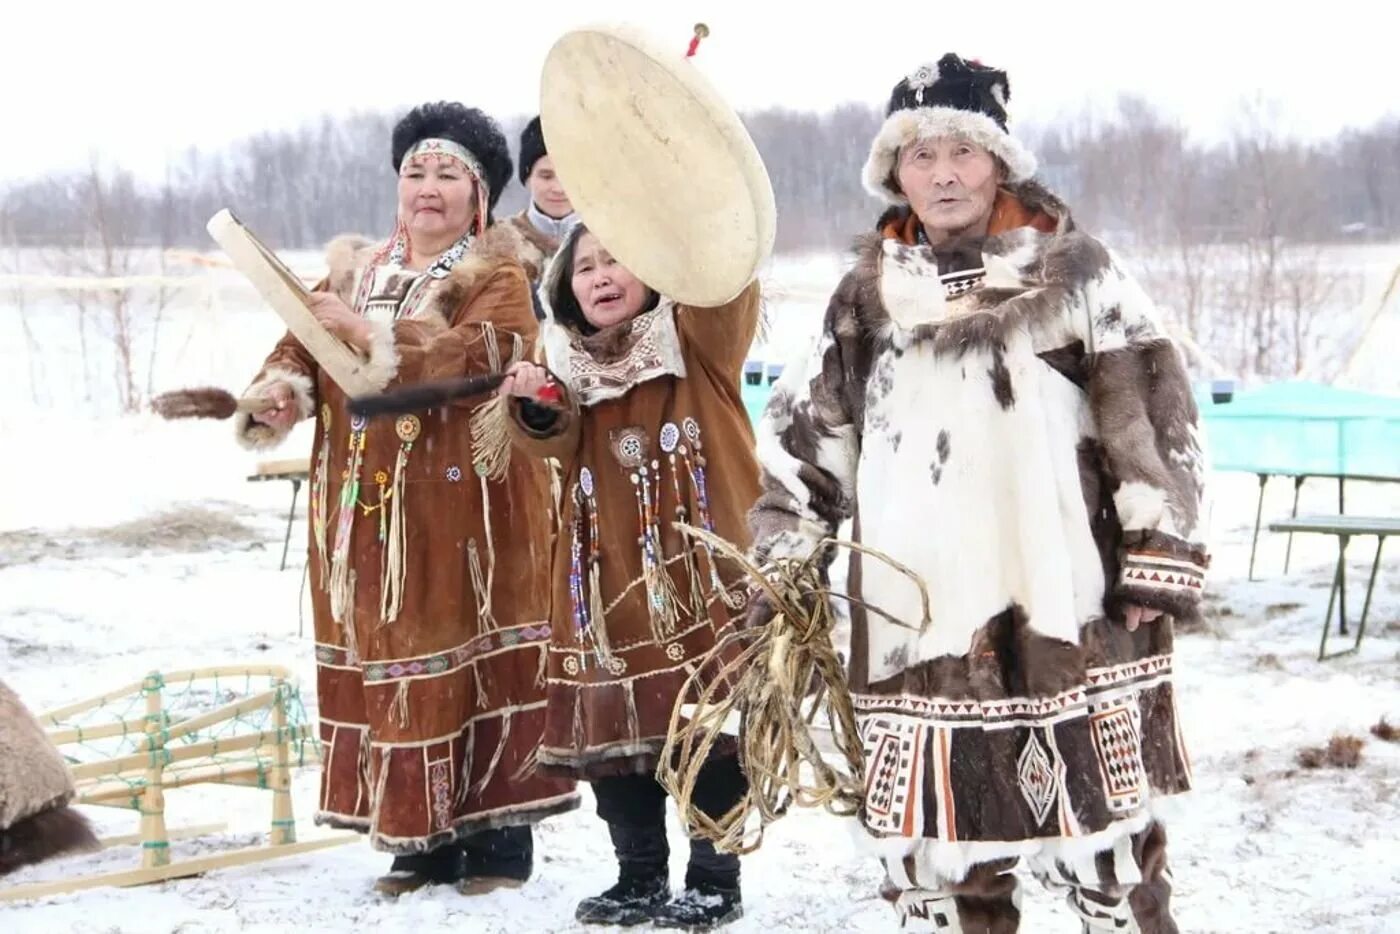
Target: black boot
<point>711,897</point>
<point>501,858</point>
<point>412,872</point>
<point>643,880</point>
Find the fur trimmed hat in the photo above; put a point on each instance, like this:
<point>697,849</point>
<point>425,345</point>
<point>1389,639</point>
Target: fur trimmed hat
<point>953,97</point>
<point>532,148</point>
<point>469,128</point>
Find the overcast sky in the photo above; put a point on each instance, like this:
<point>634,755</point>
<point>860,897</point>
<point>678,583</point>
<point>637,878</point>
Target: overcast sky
<point>142,79</point>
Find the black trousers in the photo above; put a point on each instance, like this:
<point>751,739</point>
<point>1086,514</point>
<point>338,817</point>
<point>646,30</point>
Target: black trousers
<point>504,851</point>
<point>635,808</point>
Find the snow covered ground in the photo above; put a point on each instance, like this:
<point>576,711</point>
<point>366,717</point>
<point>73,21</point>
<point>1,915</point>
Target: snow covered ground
<point>128,544</point>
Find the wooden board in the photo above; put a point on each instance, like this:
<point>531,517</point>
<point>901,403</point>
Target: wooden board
<point>656,163</point>
<point>287,296</point>
<point>177,870</point>
<point>276,470</point>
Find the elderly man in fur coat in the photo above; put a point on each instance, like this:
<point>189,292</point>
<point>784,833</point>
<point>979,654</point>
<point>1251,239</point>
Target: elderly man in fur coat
<point>36,822</point>
<point>994,404</point>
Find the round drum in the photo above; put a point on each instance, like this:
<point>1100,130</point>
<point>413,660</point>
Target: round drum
<point>656,164</point>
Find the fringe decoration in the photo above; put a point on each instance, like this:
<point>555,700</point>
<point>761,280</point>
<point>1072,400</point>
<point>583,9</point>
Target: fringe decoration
<point>528,767</point>
<point>395,550</point>
<point>634,722</point>
<point>493,349</point>
<point>580,738</point>
<point>464,777</point>
<point>490,429</point>
<point>695,467</point>
<point>662,594</point>
<point>380,784</point>
<point>663,598</point>
<point>496,757</point>
<point>483,582</point>
<point>347,626</point>
<point>320,504</point>
<point>481,588</point>
<point>556,491</point>
<point>481,700</point>
<point>585,575</point>
<point>366,782</point>
<point>399,708</point>
<point>597,615</point>
<point>692,567</point>
<point>342,577</point>
<point>542,671</point>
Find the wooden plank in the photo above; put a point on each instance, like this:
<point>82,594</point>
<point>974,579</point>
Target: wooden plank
<point>180,833</point>
<point>1339,525</point>
<point>179,870</point>
<point>83,734</point>
<point>227,712</point>
<point>144,760</point>
<point>53,717</point>
<point>276,470</point>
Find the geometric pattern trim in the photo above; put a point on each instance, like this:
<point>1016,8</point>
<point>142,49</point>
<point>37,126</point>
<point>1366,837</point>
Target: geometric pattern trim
<point>1038,778</point>
<point>1159,572</point>
<point>1116,730</point>
<point>438,662</point>
<point>894,779</point>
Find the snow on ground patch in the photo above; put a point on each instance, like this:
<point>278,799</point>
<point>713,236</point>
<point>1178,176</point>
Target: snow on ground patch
<point>1263,844</point>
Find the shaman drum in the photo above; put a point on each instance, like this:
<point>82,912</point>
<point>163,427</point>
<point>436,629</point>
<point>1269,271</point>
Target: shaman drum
<point>656,164</point>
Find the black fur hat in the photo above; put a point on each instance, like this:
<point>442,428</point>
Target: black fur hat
<point>532,148</point>
<point>466,126</point>
<point>951,97</point>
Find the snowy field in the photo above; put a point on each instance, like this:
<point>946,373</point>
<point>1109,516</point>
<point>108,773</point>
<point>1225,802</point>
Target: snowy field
<point>128,544</point>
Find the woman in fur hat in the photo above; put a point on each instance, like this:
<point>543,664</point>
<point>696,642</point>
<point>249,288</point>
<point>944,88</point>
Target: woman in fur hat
<point>651,432</point>
<point>430,595</point>
<point>994,402</point>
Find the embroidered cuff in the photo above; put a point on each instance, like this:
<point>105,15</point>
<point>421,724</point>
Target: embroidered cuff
<point>1161,572</point>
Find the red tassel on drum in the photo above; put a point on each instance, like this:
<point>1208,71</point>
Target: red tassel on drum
<point>701,31</point>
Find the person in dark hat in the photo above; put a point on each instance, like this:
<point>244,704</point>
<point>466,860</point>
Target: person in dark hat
<point>549,211</point>
<point>995,403</point>
<point>431,607</point>
<point>549,217</point>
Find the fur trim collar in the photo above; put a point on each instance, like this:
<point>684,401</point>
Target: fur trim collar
<point>607,365</point>
<point>501,243</point>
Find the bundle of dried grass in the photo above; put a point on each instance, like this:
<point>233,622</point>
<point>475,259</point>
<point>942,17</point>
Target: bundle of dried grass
<point>773,680</point>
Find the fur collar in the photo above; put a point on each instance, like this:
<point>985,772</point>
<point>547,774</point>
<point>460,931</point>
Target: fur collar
<point>1029,277</point>
<point>500,244</point>
<point>1034,197</point>
<point>608,364</point>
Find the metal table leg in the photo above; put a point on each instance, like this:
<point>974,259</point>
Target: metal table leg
<point>291,517</point>
<point>1258,515</point>
<point>1297,488</point>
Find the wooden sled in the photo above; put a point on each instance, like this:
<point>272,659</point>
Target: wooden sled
<point>129,761</point>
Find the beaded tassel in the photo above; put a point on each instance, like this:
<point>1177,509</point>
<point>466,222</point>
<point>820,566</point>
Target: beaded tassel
<point>661,590</point>
<point>342,575</point>
<point>696,469</point>
<point>585,589</point>
<point>320,501</point>
<point>670,438</point>
<point>392,530</point>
